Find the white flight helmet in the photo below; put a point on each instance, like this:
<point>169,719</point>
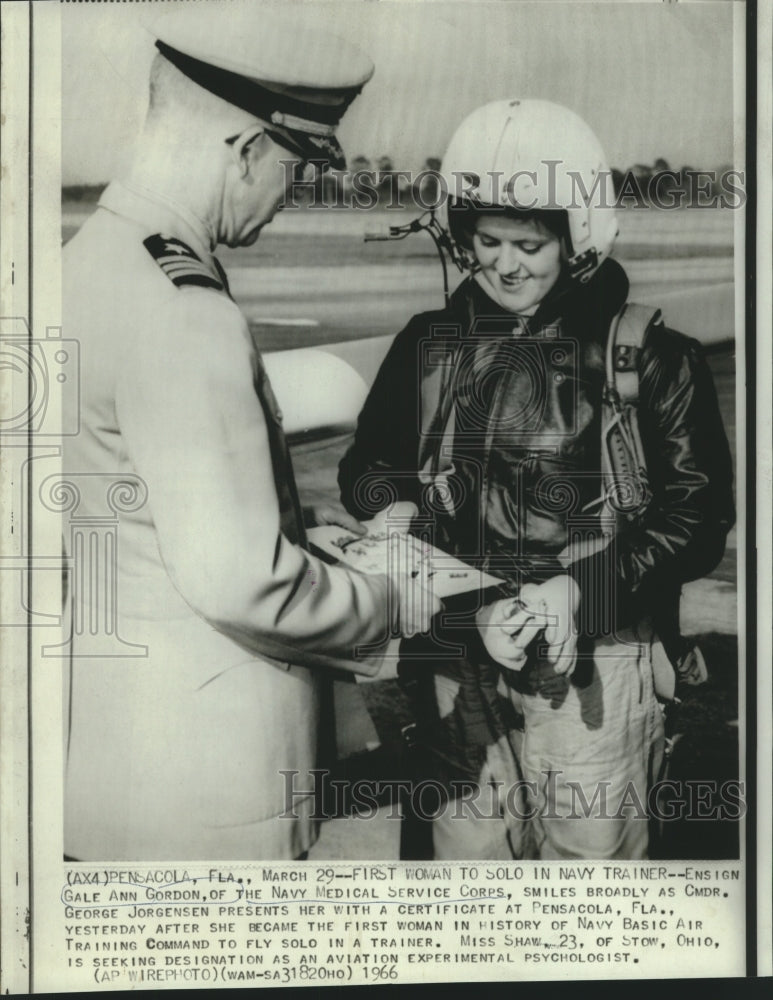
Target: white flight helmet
<point>533,154</point>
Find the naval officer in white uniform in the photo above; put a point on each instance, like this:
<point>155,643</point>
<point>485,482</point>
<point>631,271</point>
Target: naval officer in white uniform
<point>177,754</point>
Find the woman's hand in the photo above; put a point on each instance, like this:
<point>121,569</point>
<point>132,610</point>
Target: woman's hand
<point>507,627</point>
<point>503,643</point>
<point>553,604</point>
<point>332,513</point>
<point>396,517</point>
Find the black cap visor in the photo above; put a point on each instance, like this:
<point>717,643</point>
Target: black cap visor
<point>324,151</point>
<point>319,144</point>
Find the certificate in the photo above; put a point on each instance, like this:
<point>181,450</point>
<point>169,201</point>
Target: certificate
<point>382,551</point>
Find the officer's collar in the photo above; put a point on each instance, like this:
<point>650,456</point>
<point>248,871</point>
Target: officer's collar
<point>157,213</point>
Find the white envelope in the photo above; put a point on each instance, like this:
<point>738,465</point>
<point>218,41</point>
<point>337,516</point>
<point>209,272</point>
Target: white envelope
<point>388,551</point>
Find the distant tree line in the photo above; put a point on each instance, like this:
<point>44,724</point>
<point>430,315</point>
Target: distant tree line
<point>369,183</point>
<point>377,182</point>
<point>663,186</point>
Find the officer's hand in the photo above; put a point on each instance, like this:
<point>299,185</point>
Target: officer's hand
<point>333,513</point>
<point>416,605</point>
<point>413,600</point>
<point>553,606</point>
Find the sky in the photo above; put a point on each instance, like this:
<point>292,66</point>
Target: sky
<point>652,79</point>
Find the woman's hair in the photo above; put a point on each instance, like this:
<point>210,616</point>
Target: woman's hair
<point>463,217</point>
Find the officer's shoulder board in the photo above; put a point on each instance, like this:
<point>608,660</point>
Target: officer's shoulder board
<point>180,264</point>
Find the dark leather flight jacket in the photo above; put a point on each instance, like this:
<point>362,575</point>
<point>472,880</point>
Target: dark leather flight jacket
<point>491,423</point>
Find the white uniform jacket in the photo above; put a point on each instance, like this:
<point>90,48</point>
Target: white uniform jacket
<point>176,753</point>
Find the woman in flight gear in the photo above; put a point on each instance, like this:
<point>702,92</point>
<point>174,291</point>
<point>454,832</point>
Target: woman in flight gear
<point>492,416</point>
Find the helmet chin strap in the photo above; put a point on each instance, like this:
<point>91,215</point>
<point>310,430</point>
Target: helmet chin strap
<point>579,267</point>
<point>583,265</point>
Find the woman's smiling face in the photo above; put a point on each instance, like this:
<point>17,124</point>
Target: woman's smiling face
<point>520,260</point>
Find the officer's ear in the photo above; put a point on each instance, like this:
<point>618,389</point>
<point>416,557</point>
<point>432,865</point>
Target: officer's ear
<point>242,145</point>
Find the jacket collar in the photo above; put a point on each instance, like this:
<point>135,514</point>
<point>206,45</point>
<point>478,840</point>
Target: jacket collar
<point>157,214</point>
<point>597,301</point>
